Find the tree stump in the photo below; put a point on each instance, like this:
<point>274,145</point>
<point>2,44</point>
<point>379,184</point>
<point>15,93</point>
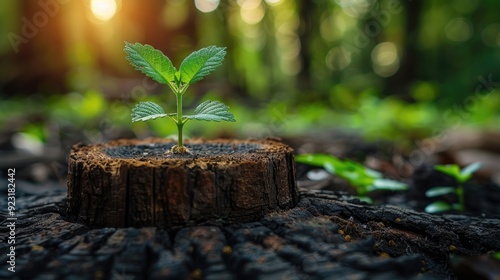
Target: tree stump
<point>137,183</point>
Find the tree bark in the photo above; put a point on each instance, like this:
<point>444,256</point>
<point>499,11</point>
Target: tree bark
<point>136,183</point>
<point>326,236</point>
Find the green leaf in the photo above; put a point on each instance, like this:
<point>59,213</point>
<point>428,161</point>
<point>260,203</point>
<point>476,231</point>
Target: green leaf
<point>147,111</point>
<point>372,173</point>
<point>328,162</point>
<point>438,191</point>
<point>452,170</point>
<point>200,64</point>
<point>388,184</point>
<point>437,207</point>
<point>212,111</point>
<point>151,62</point>
<point>365,199</point>
<point>359,176</point>
<point>467,171</point>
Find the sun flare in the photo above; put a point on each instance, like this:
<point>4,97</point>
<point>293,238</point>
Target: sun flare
<point>103,9</point>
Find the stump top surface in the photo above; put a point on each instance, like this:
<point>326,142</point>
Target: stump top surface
<point>158,149</point>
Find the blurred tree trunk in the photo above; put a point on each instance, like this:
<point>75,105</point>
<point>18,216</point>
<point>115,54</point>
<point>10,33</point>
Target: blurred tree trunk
<point>400,83</point>
<point>308,18</point>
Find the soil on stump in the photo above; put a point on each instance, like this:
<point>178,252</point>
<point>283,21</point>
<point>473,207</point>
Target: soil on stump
<point>136,183</point>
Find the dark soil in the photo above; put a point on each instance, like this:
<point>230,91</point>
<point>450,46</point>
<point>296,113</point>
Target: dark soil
<point>158,150</point>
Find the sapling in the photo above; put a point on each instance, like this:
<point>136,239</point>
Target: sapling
<point>193,68</point>
<point>363,179</point>
<point>460,176</point>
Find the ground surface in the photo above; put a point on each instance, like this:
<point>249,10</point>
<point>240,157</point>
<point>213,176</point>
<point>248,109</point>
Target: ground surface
<point>327,236</point>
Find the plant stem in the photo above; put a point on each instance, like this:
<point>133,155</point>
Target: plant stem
<point>180,124</point>
<point>461,197</point>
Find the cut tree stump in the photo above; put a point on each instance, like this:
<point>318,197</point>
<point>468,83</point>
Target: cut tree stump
<point>137,183</point>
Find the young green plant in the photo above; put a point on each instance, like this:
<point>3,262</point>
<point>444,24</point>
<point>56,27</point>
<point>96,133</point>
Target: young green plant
<point>154,64</point>
<point>363,179</point>
<point>460,176</point>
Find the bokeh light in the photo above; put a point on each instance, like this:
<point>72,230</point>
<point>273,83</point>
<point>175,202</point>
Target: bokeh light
<point>252,12</point>
<point>206,6</point>
<point>338,58</point>
<point>354,8</point>
<point>103,9</point>
<point>458,30</point>
<point>490,35</point>
<point>274,2</point>
<point>385,59</point>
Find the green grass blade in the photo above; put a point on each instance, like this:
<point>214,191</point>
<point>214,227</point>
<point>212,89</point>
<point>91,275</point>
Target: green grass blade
<point>151,62</point>
<point>201,63</point>
<point>147,111</point>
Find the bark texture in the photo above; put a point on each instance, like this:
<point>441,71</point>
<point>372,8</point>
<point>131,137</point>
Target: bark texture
<point>326,236</point>
<point>137,183</point>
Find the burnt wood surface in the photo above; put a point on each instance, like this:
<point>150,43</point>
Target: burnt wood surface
<point>141,183</point>
<point>327,236</point>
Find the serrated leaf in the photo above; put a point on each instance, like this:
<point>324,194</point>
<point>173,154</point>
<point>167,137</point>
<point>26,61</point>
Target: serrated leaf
<point>151,62</point>
<point>212,111</point>
<point>201,63</point>
<point>147,111</point>
<point>437,207</point>
<point>438,191</point>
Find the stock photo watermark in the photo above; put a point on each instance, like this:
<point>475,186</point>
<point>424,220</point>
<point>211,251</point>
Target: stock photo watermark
<point>11,219</point>
<point>453,118</point>
<point>381,17</point>
<point>31,26</point>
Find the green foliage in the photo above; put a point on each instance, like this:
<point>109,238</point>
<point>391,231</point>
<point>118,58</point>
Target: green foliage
<point>200,64</point>
<point>147,111</point>
<point>440,206</point>
<point>460,176</point>
<point>453,170</point>
<point>212,111</point>
<point>363,179</point>
<point>195,67</point>
<point>151,62</point>
<point>439,191</point>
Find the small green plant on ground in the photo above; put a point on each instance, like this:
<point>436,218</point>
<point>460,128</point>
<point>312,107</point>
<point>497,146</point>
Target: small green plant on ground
<point>460,176</point>
<point>363,179</point>
<point>194,67</point>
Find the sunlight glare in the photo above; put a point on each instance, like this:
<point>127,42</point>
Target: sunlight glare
<point>206,6</point>
<point>103,9</point>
